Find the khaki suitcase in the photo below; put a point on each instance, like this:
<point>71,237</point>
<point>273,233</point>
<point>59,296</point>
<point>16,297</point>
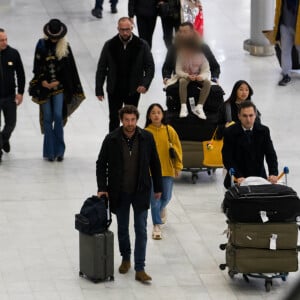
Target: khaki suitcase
<point>96,256</point>
<point>253,235</point>
<point>247,260</point>
<point>192,154</point>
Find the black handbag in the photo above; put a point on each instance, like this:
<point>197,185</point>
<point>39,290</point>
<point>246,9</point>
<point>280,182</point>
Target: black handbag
<point>172,152</point>
<point>38,93</point>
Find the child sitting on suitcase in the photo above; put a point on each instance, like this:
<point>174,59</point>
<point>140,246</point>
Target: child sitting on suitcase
<point>192,65</point>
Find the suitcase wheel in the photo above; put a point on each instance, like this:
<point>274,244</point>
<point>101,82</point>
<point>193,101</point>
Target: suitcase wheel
<point>222,246</point>
<point>111,278</point>
<point>231,273</point>
<point>222,267</point>
<point>246,278</point>
<point>268,284</point>
<point>81,274</point>
<point>194,178</point>
<point>284,276</point>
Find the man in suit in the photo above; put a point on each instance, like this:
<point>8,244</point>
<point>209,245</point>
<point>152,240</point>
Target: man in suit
<point>246,145</point>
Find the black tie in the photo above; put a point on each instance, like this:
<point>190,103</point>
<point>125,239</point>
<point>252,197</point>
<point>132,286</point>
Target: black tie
<point>248,133</point>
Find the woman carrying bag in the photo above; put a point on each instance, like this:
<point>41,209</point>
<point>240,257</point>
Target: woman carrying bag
<point>55,87</point>
<point>170,156</point>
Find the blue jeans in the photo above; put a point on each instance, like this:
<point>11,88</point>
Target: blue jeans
<point>54,144</point>
<point>158,205</point>
<point>140,227</point>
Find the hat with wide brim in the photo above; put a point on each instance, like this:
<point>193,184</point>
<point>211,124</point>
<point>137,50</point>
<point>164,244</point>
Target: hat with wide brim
<point>55,29</point>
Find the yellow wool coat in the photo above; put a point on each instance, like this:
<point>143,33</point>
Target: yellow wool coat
<point>160,134</point>
<point>276,32</point>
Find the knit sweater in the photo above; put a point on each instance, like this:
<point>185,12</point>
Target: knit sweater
<point>160,135</point>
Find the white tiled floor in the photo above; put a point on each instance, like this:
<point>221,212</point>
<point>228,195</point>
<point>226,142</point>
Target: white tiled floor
<point>38,200</point>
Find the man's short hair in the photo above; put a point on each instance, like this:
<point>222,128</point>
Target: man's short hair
<point>128,109</point>
<point>189,24</point>
<point>246,104</point>
<point>124,19</point>
<point>2,30</point>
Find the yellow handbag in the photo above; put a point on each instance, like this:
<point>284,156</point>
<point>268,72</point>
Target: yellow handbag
<point>212,152</point>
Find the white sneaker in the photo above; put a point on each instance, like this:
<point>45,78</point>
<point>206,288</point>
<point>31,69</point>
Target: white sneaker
<point>199,112</point>
<point>183,111</point>
<point>156,233</point>
<point>163,215</point>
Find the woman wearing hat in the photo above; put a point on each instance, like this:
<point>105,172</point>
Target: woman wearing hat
<point>55,87</point>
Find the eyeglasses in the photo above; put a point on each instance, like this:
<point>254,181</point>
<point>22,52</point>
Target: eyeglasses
<point>124,29</point>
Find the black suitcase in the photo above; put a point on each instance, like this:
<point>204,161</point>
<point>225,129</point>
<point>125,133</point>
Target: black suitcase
<point>261,203</point>
<point>96,256</point>
<point>191,128</point>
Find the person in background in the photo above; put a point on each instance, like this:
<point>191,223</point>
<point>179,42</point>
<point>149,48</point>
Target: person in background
<point>170,15</point>
<point>191,66</point>
<point>246,145</point>
<point>127,64</point>
<point>228,113</point>
<point>127,156</point>
<point>11,67</point>
<point>186,32</point>
<point>146,15</point>
<point>165,137</point>
<point>58,90</point>
<point>97,10</point>
<point>287,32</point>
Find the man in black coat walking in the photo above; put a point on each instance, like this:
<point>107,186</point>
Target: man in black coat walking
<point>127,156</point>
<point>11,66</point>
<point>246,145</point>
<point>127,64</point>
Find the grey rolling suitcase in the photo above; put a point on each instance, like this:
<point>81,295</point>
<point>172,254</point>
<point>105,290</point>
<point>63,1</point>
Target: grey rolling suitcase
<point>96,256</point>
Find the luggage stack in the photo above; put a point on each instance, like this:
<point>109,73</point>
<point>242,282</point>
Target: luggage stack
<point>262,231</point>
<point>191,130</point>
<point>96,242</point>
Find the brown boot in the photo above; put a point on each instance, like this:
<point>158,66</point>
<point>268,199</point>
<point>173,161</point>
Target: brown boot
<point>124,267</point>
<point>142,276</point>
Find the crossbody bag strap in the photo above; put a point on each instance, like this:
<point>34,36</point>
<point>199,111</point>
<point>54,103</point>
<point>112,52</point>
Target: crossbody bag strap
<point>168,135</point>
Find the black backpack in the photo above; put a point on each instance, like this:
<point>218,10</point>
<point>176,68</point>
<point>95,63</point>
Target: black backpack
<point>94,216</point>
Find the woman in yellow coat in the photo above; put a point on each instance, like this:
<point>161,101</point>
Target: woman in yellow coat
<point>165,137</point>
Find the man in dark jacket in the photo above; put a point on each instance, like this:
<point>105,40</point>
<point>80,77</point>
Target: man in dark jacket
<point>10,67</point>
<point>127,156</point>
<point>127,63</point>
<point>246,145</point>
<point>186,31</point>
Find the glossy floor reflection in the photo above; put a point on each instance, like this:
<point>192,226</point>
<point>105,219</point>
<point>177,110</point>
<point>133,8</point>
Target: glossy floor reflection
<point>38,199</point>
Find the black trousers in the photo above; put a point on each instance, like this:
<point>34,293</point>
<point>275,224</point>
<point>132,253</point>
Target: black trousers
<point>99,4</point>
<point>146,26</point>
<point>115,103</point>
<point>169,24</point>
<point>8,107</point>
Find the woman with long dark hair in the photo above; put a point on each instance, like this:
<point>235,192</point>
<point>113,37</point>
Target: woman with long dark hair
<point>228,113</point>
<point>165,138</point>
